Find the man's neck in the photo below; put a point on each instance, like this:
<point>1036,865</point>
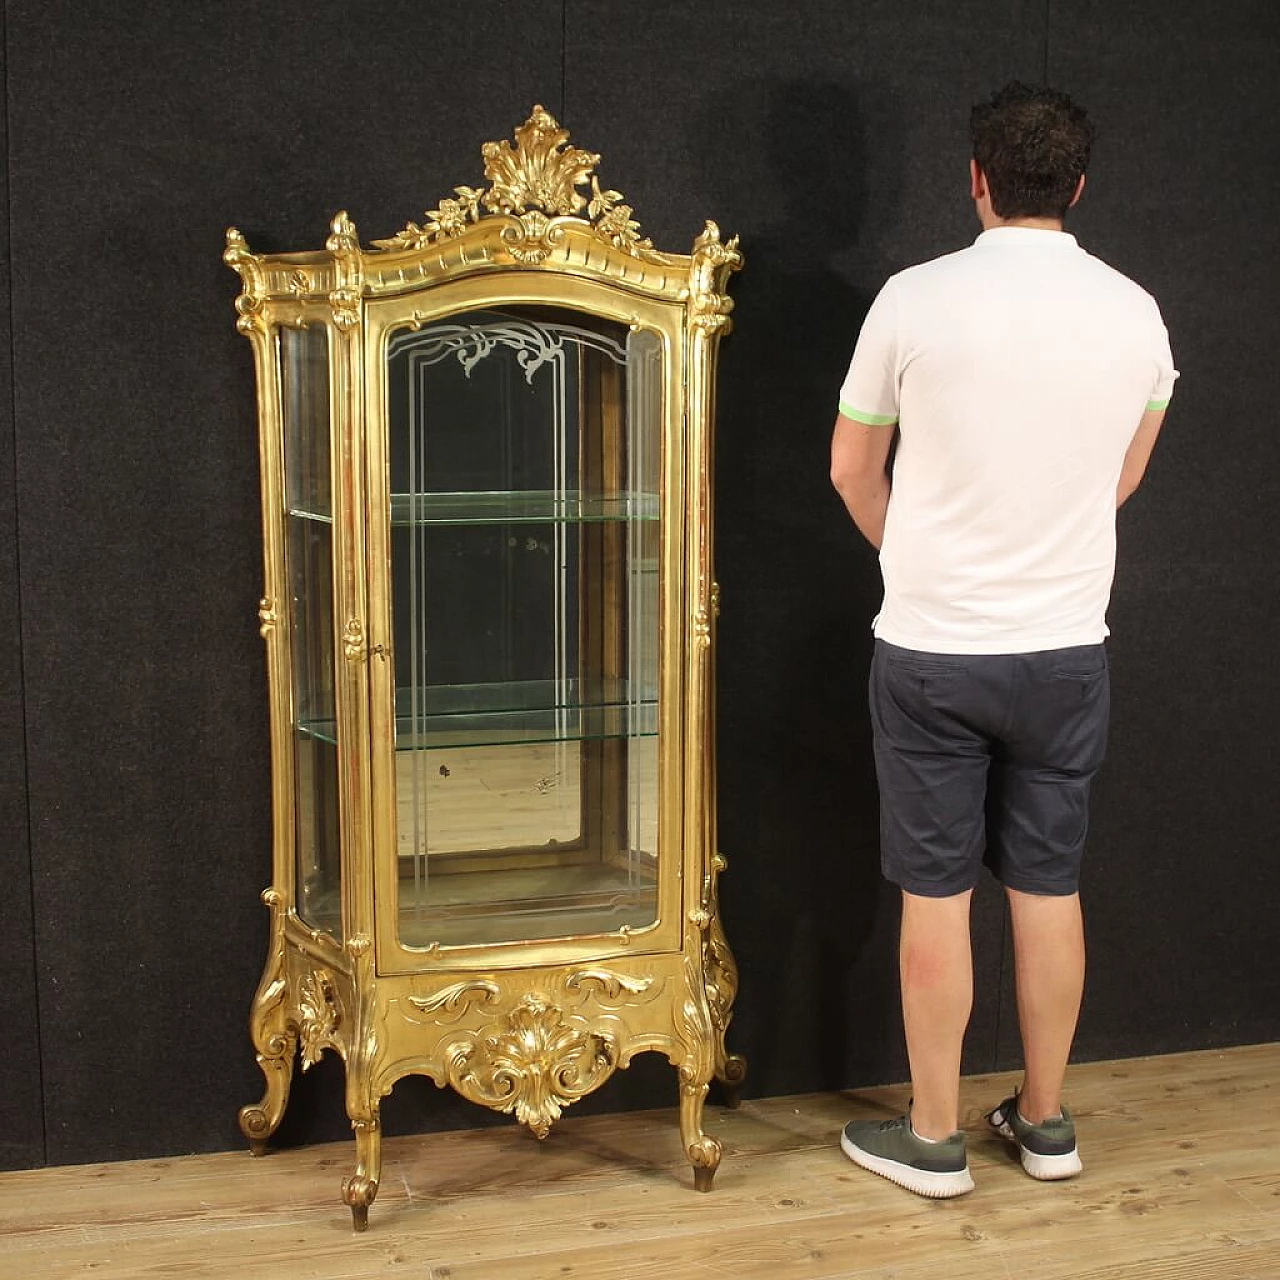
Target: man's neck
<point>991,220</point>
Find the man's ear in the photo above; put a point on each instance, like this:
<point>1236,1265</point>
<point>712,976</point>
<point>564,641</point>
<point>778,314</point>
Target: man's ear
<point>1079,192</point>
<point>978,181</point>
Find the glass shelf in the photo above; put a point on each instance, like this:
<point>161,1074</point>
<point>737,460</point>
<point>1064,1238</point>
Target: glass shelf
<point>524,506</point>
<point>319,517</point>
<point>476,910</point>
<point>516,712</point>
<point>520,507</point>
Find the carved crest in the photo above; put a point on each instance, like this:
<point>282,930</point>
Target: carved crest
<point>541,171</point>
<point>535,180</point>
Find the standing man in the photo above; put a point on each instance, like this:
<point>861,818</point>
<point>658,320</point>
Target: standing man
<point>1025,383</point>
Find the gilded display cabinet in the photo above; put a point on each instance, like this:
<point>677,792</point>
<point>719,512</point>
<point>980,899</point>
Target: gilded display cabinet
<point>490,619</point>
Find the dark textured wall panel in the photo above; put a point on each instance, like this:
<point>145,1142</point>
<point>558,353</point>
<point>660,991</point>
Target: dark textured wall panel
<point>138,135</point>
<point>833,139</point>
<point>1182,878</point>
<point>21,1109</point>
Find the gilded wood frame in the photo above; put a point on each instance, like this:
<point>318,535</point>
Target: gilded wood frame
<point>524,1027</point>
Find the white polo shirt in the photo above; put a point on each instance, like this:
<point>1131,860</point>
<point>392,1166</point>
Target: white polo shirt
<point>1017,371</point>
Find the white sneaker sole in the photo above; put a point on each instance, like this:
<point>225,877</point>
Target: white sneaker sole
<point>1050,1168</point>
<point>1042,1168</point>
<point>936,1186</point>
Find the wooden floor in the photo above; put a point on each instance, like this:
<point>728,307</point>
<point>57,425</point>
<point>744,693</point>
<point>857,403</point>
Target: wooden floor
<point>1182,1179</point>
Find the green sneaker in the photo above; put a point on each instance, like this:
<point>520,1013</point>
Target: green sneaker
<point>1048,1149</point>
<point>938,1170</point>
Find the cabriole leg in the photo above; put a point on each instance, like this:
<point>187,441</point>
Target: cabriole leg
<point>258,1123</point>
<point>360,1188</point>
<point>273,1036</point>
<point>703,1151</point>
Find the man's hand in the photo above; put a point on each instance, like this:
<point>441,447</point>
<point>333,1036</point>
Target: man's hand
<point>859,471</point>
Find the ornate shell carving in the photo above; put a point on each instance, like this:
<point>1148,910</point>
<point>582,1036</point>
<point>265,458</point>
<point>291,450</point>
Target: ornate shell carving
<point>536,181</point>
<point>541,170</point>
<point>535,1064</point>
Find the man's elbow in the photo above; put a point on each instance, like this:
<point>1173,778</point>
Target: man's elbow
<point>847,477</point>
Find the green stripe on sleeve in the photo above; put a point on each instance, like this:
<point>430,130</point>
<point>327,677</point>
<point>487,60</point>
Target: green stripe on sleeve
<point>868,419</point>
<point>1158,404</point>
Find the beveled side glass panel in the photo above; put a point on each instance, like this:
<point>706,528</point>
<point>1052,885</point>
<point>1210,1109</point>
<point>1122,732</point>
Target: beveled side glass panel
<point>304,401</point>
<point>524,447</point>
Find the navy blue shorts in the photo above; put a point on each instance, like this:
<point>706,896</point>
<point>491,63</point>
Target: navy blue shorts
<point>986,758</point>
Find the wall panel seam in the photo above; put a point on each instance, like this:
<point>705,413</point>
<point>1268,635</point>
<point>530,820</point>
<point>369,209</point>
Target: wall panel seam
<point>1048,18</point>
<point>17,584</point>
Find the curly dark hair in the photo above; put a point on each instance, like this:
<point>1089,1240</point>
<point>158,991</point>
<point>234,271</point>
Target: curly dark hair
<point>1032,143</point>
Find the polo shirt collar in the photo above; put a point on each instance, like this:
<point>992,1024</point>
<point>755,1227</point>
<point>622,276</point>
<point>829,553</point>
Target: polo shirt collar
<point>998,237</point>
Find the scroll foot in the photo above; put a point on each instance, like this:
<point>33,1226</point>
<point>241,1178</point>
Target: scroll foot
<point>361,1187</point>
<point>260,1121</point>
<point>730,1077</point>
<point>703,1151</point>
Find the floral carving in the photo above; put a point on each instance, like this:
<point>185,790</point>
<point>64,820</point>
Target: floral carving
<point>613,219</point>
<point>451,219</point>
<point>319,1015</point>
<point>535,1064</point>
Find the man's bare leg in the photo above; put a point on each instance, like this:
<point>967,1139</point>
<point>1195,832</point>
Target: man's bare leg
<point>936,969</point>
<point>1048,943</point>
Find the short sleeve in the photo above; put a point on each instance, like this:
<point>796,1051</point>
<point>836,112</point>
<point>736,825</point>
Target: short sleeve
<point>869,393</point>
<point>1166,374</point>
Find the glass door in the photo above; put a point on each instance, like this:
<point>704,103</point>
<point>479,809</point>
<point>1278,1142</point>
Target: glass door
<point>524,452</point>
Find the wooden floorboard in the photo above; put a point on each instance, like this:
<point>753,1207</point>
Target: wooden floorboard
<point>1182,1179</point>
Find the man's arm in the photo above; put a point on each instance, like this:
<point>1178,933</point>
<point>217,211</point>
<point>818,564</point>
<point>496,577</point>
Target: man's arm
<point>1139,454</point>
<point>859,471</point>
